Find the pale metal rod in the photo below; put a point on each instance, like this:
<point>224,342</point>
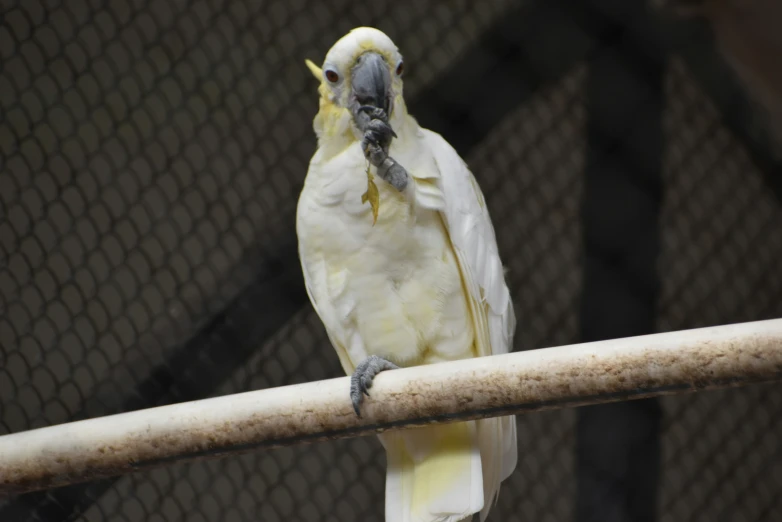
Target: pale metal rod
<point>521,382</point>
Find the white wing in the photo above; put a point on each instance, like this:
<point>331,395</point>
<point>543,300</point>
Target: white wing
<point>472,235</point>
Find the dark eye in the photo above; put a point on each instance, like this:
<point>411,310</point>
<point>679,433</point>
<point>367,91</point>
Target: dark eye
<point>400,69</point>
<point>332,76</point>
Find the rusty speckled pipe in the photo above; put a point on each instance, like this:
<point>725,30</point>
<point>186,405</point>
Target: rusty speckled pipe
<point>562,377</point>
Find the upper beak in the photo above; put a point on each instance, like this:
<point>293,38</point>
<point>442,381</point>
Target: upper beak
<point>371,81</point>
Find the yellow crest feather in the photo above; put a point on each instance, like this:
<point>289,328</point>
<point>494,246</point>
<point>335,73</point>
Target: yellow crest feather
<point>316,71</point>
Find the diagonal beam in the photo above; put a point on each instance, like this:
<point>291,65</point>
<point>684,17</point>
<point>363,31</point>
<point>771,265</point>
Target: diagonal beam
<point>530,47</point>
<point>694,42</point>
<point>194,371</point>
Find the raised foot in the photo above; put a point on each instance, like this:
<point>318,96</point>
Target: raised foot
<point>377,138</point>
<point>378,125</point>
<point>361,380</point>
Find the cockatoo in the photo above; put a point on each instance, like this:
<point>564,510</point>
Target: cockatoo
<point>400,262</point>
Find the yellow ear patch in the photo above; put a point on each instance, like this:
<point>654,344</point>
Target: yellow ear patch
<point>316,71</point>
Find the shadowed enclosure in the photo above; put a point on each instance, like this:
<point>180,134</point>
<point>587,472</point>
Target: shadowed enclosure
<point>151,155</point>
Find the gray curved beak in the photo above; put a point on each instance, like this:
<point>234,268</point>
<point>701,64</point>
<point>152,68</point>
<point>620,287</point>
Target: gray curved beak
<point>371,81</point>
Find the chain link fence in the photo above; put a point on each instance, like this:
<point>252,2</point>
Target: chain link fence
<point>151,158</point>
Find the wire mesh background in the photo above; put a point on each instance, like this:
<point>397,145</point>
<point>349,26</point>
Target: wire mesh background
<point>152,154</point>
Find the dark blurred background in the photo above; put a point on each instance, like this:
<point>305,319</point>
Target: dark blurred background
<point>151,155</point>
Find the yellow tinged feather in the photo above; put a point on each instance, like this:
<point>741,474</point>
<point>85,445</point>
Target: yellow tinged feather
<point>369,45</point>
<point>316,71</point>
<point>477,191</point>
<point>449,459</point>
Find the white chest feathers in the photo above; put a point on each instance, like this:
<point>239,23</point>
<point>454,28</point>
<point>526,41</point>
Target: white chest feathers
<point>396,285</point>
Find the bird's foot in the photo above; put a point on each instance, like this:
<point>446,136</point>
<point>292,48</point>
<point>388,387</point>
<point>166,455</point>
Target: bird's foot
<point>377,154</point>
<point>361,380</point>
<point>378,125</point>
<point>373,122</point>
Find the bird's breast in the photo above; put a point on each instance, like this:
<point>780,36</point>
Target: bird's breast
<point>396,281</point>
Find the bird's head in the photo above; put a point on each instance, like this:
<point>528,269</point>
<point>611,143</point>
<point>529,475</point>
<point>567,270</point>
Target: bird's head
<point>364,68</point>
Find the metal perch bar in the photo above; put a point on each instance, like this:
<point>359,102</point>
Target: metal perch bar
<point>561,377</point>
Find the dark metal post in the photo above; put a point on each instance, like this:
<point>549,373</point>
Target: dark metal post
<point>618,447</point>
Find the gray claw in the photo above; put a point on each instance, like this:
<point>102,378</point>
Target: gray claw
<point>382,129</point>
<point>361,380</point>
<point>374,113</point>
<point>387,167</point>
<point>372,150</point>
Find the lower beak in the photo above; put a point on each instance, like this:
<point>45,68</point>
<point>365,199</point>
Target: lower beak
<point>371,83</point>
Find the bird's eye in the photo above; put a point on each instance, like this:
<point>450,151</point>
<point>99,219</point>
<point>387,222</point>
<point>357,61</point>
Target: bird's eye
<point>400,68</point>
<point>332,76</point>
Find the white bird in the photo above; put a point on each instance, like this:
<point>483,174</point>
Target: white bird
<point>401,265</point>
